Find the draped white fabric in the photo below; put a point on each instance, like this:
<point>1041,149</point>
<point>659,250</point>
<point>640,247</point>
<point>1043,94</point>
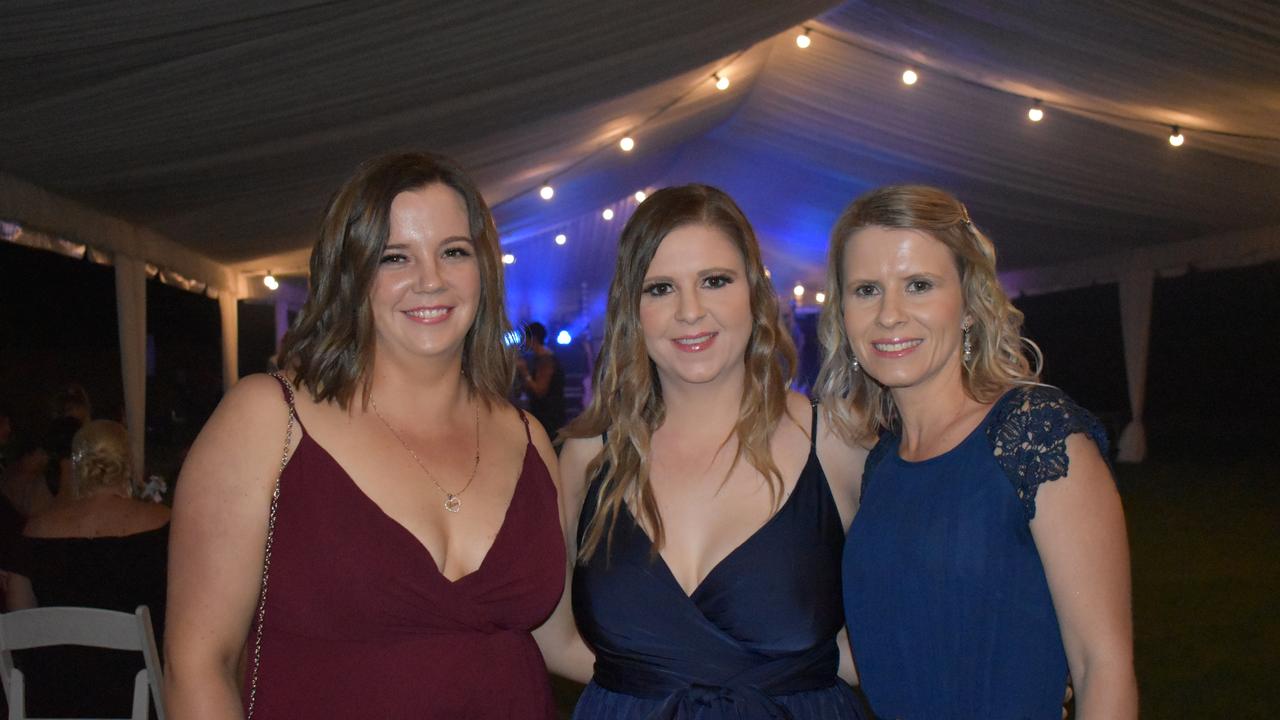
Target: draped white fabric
<point>131,315</point>
<point>230,340</point>
<point>1135,324</point>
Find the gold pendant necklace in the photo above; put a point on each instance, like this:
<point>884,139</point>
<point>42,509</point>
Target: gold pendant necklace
<point>452,501</point>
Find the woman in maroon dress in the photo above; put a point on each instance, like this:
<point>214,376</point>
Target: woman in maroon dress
<point>415,541</point>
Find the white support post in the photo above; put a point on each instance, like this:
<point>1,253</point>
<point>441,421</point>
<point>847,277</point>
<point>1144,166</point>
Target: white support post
<point>1135,322</point>
<point>230,340</point>
<point>131,314</point>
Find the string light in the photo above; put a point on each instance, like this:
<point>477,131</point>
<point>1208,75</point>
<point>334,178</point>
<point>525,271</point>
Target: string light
<point>627,144</point>
<point>508,259</point>
<point>1175,137</point>
<point>821,297</point>
<point>561,239</point>
<point>798,291</point>
<point>722,81</point>
<point>803,40</point>
<point>640,196</point>
<point>271,282</point>
<point>547,192</point>
<point>909,77</point>
<point>1036,113</point>
<point>607,214</point>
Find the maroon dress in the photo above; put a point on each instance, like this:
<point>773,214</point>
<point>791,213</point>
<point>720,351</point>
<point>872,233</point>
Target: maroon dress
<point>360,623</point>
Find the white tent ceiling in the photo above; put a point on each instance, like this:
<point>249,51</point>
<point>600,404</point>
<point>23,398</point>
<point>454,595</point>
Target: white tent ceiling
<point>225,127</point>
<point>206,138</point>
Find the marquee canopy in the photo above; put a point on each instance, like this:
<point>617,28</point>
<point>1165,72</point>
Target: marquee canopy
<point>206,137</point>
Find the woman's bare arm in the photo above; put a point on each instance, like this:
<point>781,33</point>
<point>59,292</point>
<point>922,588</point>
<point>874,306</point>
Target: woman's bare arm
<point>1079,532</point>
<point>566,653</point>
<point>216,548</point>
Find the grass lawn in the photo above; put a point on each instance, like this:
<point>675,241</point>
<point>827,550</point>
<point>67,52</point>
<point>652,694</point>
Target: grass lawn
<point>1205,539</point>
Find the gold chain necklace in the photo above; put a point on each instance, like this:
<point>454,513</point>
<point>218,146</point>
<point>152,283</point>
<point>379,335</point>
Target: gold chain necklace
<point>452,501</point>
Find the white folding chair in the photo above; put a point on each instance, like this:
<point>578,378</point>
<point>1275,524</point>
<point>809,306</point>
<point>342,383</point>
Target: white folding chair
<point>89,627</point>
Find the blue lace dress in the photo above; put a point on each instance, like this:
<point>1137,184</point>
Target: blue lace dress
<point>755,641</point>
<point>947,603</point>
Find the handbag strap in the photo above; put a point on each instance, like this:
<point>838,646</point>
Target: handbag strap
<point>266,558</point>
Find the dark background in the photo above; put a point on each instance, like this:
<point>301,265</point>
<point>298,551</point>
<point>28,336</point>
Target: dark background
<point>1210,386</point>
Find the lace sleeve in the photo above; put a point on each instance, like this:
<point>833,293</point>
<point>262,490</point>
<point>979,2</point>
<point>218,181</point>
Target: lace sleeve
<point>1029,438</point>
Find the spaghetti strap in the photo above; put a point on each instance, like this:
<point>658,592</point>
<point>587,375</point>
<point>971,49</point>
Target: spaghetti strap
<point>813,427</point>
<point>528,435</point>
<point>286,388</point>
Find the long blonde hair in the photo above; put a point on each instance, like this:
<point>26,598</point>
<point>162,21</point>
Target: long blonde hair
<point>858,406</point>
<point>627,395</point>
<point>100,459</point>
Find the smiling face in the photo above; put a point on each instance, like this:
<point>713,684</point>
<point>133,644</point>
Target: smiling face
<point>427,287</point>
<point>903,308</point>
<point>695,307</point>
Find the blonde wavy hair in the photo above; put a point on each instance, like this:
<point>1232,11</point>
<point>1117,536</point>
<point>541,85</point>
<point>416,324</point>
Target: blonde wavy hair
<point>627,395</point>
<point>100,459</point>
<point>857,406</point>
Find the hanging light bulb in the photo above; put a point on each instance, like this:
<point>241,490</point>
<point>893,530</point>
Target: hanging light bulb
<point>802,40</point>
<point>1036,113</point>
<point>508,259</point>
<point>909,77</point>
<point>820,297</point>
<point>798,291</point>
<point>722,81</point>
<point>640,196</point>
<point>561,239</point>
<point>627,144</point>
<point>547,192</point>
<point>1175,137</point>
<point>271,282</point>
<point>607,214</point>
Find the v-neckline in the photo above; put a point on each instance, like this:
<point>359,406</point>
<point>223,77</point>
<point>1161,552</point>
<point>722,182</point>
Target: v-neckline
<point>692,596</point>
<point>426,551</point>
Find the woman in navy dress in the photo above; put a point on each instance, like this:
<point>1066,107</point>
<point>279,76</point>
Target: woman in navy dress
<point>708,534</point>
<point>988,557</point>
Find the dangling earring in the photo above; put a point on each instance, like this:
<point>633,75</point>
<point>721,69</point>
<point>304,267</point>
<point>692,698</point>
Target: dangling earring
<point>968,348</point>
<point>856,367</point>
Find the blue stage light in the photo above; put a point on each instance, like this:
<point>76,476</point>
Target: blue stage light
<point>564,338</point>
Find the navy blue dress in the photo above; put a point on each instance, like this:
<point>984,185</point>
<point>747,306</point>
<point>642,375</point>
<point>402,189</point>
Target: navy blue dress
<point>755,641</point>
<point>949,610</point>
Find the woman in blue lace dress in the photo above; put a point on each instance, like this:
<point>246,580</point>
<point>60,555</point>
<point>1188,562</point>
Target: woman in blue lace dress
<point>988,558</point>
<point>709,529</point>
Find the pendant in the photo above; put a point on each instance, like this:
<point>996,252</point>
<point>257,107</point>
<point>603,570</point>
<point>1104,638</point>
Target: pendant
<point>452,502</point>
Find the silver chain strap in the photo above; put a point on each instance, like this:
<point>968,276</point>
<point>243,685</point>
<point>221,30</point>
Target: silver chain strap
<point>266,558</point>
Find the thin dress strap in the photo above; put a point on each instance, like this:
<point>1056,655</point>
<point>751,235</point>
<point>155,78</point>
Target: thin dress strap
<point>286,387</point>
<point>813,427</point>
<point>528,435</point>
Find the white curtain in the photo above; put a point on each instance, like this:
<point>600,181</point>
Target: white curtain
<point>1135,323</point>
<point>131,314</point>
<point>230,340</point>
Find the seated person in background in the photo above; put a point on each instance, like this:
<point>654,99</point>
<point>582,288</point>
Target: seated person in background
<point>98,547</point>
<point>542,379</point>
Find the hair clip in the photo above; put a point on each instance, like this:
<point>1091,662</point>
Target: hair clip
<point>964,216</point>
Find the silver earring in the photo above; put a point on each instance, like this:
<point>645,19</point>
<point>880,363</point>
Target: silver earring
<point>856,367</point>
<point>968,348</point>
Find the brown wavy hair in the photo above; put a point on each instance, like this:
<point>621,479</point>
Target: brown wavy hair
<point>858,406</point>
<point>331,346</point>
<point>627,395</point>
<point>100,458</point>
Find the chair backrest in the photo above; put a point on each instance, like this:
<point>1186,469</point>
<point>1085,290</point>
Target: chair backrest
<point>89,627</point>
